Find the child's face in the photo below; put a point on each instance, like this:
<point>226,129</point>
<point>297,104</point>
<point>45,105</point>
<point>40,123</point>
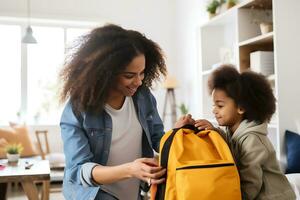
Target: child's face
<point>226,111</point>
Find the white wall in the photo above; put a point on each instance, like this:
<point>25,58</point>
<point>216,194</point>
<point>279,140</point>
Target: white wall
<point>287,30</point>
<point>189,16</point>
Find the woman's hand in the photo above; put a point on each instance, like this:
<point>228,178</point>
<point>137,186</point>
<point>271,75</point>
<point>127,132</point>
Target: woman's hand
<point>147,169</point>
<point>184,120</point>
<point>203,124</point>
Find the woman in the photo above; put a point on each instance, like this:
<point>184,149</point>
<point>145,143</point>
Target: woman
<point>110,124</point>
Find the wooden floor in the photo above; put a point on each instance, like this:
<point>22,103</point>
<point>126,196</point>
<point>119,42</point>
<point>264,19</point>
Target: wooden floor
<point>15,192</point>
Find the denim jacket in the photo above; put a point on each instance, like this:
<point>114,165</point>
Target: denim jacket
<point>87,140</point>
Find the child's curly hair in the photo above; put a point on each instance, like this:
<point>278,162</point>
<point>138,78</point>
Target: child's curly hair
<point>249,90</point>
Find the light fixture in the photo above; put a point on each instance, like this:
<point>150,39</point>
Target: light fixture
<point>170,82</point>
<point>28,38</point>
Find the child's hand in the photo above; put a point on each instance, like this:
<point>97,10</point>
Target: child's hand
<point>203,124</point>
<point>184,120</point>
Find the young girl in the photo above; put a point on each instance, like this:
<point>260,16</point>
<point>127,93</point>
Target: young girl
<point>244,103</point>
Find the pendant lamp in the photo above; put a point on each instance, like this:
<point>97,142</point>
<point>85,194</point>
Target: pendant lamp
<point>28,37</point>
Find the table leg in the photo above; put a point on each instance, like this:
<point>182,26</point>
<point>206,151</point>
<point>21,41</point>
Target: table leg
<point>46,188</point>
<point>30,190</point>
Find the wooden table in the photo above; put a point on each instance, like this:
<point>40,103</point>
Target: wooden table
<point>39,171</point>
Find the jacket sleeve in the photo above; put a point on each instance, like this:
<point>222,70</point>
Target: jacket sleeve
<point>157,126</point>
<point>253,154</point>
<point>77,150</point>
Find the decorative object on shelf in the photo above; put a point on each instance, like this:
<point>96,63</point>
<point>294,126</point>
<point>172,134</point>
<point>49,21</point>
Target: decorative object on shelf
<point>262,62</point>
<point>261,15</point>
<point>170,84</point>
<point>212,8</point>
<point>226,55</point>
<point>225,5</point>
<point>13,152</point>
<point>266,27</point>
<point>231,3</point>
<point>28,37</point>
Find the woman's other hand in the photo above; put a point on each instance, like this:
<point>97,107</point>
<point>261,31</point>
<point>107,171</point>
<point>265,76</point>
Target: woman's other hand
<point>184,120</point>
<point>203,124</point>
<point>147,169</point>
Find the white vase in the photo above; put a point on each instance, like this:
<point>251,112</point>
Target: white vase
<point>266,27</point>
<point>12,158</point>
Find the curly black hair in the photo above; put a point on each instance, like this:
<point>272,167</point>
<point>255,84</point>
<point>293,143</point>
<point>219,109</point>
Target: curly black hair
<point>249,90</point>
<point>91,68</point>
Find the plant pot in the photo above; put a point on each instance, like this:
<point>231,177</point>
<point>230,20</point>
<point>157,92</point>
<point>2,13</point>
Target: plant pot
<point>230,5</point>
<point>211,15</point>
<point>12,158</point>
<point>265,27</point>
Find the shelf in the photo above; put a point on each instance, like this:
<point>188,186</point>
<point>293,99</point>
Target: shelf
<point>224,18</point>
<point>255,4</point>
<point>228,16</point>
<point>259,40</point>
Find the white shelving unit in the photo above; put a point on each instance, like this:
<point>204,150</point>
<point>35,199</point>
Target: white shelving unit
<point>230,37</point>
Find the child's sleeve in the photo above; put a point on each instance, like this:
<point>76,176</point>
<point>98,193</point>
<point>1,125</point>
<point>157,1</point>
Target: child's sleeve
<point>252,156</point>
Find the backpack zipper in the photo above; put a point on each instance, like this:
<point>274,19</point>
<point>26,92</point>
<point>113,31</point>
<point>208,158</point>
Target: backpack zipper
<point>206,166</point>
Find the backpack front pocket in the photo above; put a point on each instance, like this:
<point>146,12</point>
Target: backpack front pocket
<point>211,181</point>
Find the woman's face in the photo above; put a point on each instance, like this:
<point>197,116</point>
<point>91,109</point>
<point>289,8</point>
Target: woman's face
<point>131,78</point>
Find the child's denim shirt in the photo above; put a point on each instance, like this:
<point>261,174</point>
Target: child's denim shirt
<point>87,140</point>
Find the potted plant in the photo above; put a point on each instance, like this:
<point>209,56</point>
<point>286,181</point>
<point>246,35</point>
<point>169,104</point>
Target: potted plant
<point>183,109</point>
<point>13,152</point>
<point>231,3</point>
<point>212,8</point>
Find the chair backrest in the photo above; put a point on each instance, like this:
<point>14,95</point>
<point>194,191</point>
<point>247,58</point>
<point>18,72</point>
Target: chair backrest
<point>42,139</point>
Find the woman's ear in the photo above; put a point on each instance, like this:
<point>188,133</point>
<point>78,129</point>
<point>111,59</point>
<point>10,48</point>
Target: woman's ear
<point>241,110</point>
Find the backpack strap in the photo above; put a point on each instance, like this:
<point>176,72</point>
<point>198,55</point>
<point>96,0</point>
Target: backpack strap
<point>164,158</point>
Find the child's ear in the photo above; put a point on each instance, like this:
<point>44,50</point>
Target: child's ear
<point>241,110</point>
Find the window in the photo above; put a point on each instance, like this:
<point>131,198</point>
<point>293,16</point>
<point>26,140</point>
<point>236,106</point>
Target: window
<point>10,72</point>
<point>44,62</point>
<point>30,93</point>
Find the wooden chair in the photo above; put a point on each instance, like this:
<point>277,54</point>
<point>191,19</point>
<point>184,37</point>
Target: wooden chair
<point>56,159</point>
<point>42,144</point>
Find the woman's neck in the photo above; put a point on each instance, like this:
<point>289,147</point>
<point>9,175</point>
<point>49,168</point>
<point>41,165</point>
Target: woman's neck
<point>115,101</point>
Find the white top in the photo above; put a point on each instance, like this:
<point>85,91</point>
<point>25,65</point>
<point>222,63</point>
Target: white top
<point>126,146</point>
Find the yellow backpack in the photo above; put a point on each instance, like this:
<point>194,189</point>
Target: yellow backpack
<point>199,167</point>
